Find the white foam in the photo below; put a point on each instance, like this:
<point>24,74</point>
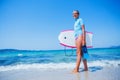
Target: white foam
<point>38,66</point>
<point>104,63</point>
<point>20,54</point>
<point>59,65</point>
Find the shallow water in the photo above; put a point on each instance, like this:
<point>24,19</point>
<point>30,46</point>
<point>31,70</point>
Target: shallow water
<point>24,59</point>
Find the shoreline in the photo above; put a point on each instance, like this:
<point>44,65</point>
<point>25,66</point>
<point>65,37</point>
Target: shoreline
<point>94,73</point>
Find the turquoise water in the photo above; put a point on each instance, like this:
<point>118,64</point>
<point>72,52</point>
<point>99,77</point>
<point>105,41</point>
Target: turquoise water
<point>17,59</point>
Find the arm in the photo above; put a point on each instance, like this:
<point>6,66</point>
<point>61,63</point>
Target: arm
<point>84,35</point>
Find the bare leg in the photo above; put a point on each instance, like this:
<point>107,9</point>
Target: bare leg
<point>85,65</point>
<point>85,61</point>
<point>78,52</point>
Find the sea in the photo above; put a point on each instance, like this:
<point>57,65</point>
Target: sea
<point>12,59</point>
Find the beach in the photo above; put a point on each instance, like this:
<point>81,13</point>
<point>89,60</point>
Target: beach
<point>39,39</point>
<point>108,73</point>
<point>103,64</point>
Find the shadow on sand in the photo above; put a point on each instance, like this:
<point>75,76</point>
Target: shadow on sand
<point>85,74</point>
<point>92,69</point>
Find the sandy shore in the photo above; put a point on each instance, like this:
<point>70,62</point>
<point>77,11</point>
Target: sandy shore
<point>94,73</point>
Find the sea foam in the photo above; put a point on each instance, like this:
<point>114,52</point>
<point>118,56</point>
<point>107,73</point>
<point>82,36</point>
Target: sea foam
<point>47,66</point>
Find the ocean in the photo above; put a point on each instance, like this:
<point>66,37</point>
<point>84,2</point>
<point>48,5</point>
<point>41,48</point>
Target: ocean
<point>11,59</point>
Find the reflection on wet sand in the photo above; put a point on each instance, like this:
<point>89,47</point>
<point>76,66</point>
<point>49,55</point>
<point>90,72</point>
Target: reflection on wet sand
<point>86,75</point>
<point>80,76</point>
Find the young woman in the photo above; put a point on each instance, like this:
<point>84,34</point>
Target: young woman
<point>80,40</point>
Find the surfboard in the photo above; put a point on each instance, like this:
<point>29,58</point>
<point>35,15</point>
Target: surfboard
<point>67,39</point>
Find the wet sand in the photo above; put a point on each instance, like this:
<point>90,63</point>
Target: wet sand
<point>94,73</point>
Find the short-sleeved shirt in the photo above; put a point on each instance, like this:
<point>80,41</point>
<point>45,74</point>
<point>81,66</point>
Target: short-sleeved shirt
<point>78,27</point>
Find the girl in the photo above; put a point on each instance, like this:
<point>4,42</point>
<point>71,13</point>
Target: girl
<point>80,40</point>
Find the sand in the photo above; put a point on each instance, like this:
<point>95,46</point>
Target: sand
<point>94,73</point>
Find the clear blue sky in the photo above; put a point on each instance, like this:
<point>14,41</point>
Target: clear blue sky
<point>36,24</point>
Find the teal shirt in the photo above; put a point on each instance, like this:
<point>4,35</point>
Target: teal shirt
<point>78,27</point>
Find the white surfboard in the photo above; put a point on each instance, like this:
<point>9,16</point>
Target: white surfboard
<point>67,39</point>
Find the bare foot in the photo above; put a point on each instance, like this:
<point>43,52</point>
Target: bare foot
<point>85,69</point>
<point>75,71</point>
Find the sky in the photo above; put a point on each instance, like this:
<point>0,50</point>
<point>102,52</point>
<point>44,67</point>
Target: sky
<point>36,24</point>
